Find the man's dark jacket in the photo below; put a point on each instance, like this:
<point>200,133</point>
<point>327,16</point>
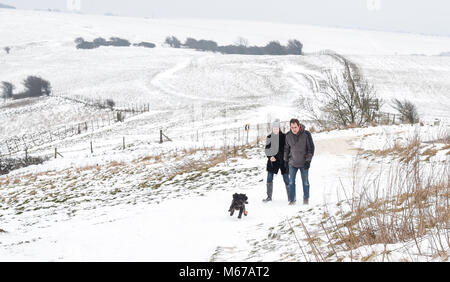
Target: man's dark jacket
<point>299,148</point>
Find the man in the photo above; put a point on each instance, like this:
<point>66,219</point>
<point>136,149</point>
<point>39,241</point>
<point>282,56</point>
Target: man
<point>298,153</point>
<point>274,152</point>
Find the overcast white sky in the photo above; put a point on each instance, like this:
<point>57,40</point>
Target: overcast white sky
<point>418,16</point>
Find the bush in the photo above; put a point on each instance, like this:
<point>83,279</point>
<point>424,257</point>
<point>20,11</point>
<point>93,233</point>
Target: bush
<point>294,47</point>
<point>346,99</point>
<point>191,43</point>
<point>118,42</point>
<point>173,42</point>
<point>36,86</point>
<point>407,110</point>
<point>100,41</point>
<point>114,41</point>
<point>79,40</point>
<point>145,44</point>
<point>87,45</point>
<point>274,48</point>
<point>7,90</point>
<point>233,49</point>
<point>207,45</point>
<point>110,103</point>
<point>7,49</point>
<point>7,165</point>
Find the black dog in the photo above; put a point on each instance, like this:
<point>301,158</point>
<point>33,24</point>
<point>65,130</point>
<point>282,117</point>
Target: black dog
<point>238,203</point>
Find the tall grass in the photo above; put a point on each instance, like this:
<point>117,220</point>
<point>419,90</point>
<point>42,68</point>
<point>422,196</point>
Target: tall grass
<point>400,209</point>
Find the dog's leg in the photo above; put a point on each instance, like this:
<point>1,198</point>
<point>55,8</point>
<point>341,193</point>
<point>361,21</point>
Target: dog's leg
<point>232,212</point>
<point>241,210</point>
<point>231,206</point>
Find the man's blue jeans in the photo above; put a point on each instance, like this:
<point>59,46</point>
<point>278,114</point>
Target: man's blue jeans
<point>270,177</point>
<point>305,182</point>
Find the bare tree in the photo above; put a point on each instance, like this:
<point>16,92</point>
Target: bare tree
<point>173,42</point>
<point>7,49</point>
<point>7,90</point>
<point>294,47</point>
<point>241,41</point>
<point>79,40</point>
<point>36,86</point>
<point>347,98</point>
<point>407,110</point>
<point>110,103</point>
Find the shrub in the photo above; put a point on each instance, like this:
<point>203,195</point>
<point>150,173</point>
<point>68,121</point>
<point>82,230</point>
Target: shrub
<point>191,43</point>
<point>7,90</point>
<point>294,47</point>
<point>79,40</point>
<point>110,103</point>
<point>36,86</point>
<point>7,165</point>
<point>145,44</point>
<point>407,110</point>
<point>100,41</point>
<point>347,99</point>
<point>87,45</point>
<point>173,42</point>
<point>118,42</point>
<point>274,48</point>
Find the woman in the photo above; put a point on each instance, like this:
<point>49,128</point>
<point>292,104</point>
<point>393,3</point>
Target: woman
<point>274,152</point>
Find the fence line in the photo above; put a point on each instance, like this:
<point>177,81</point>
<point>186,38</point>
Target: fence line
<point>25,142</point>
<point>241,135</point>
<point>106,104</point>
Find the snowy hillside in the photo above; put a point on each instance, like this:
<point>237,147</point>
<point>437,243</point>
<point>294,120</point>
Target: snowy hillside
<point>131,198</point>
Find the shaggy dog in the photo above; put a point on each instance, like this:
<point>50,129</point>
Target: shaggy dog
<point>238,203</point>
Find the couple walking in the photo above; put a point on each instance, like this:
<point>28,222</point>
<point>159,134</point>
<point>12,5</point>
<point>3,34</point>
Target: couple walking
<point>290,153</point>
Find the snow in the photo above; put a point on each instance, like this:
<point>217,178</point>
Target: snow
<point>153,202</point>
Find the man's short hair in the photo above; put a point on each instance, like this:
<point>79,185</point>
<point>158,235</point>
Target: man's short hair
<point>296,121</point>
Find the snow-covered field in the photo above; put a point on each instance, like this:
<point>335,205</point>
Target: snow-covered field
<point>168,201</point>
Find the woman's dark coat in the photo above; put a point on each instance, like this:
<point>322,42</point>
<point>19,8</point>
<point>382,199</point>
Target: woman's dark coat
<point>279,163</point>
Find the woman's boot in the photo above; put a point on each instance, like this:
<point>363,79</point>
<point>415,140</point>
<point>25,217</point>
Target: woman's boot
<point>269,192</point>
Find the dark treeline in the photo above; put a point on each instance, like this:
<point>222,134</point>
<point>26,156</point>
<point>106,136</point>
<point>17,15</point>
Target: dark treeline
<point>294,47</point>
<point>113,41</point>
<point>34,87</point>
<point>9,164</point>
<point>6,6</point>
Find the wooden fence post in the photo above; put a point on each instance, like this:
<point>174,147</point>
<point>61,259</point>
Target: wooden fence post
<point>247,128</point>
<point>257,134</point>
<point>57,153</point>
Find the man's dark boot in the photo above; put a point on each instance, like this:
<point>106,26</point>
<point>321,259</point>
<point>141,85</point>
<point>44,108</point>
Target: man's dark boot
<point>269,192</point>
<point>305,201</point>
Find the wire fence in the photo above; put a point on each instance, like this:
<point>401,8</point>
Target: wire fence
<point>106,103</point>
<point>230,136</point>
<point>25,142</point>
